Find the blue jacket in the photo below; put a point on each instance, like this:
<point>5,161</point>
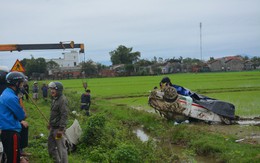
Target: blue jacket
<point>11,112</point>
<point>182,91</point>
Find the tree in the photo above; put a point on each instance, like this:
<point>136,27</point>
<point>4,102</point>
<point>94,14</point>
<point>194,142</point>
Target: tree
<point>143,62</point>
<point>129,68</point>
<point>154,59</point>
<point>174,60</point>
<point>100,67</point>
<point>256,61</point>
<point>24,62</point>
<point>160,60</point>
<point>35,66</point>
<point>52,65</point>
<point>124,55</point>
<point>211,59</point>
<point>193,61</point>
<point>89,68</point>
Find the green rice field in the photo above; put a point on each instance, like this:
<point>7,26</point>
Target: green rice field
<point>239,88</point>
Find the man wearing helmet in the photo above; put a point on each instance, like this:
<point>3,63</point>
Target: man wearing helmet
<point>12,116</point>
<point>3,72</point>
<point>57,123</point>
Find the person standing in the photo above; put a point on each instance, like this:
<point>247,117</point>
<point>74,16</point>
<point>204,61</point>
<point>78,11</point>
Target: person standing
<point>26,89</point>
<point>35,91</point>
<point>25,128</point>
<point>57,123</point>
<point>44,91</point>
<point>12,116</point>
<point>3,72</point>
<point>86,101</point>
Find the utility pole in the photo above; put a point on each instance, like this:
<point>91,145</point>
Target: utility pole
<point>200,42</point>
<point>84,57</point>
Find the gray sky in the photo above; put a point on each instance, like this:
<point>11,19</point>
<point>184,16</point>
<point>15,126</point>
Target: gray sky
<point>161,28</point>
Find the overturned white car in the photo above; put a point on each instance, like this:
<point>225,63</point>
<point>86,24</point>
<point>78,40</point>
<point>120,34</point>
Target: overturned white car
<point>174,106</point>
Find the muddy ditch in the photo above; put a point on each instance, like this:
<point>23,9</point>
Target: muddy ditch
<point>180,151</point>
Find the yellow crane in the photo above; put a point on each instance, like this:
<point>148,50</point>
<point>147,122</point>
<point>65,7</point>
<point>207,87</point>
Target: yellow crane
<point>61,45</point>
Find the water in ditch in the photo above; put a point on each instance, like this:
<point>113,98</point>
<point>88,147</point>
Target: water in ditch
<point>179,150</point>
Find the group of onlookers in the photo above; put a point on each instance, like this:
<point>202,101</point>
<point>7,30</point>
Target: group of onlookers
<point>35,91</point>
<point>14,128</point>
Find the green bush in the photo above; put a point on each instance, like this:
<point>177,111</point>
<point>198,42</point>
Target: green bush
<point>39,149</point>
<point>94,130</point>
<point>126,153</point>
<point>98,155</point>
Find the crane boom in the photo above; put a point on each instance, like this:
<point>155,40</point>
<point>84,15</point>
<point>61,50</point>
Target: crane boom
<point>20,47</point>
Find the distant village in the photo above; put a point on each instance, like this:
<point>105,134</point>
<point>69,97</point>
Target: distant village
<point>71,67</point>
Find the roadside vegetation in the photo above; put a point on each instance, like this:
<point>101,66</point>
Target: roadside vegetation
<point>119,107</point>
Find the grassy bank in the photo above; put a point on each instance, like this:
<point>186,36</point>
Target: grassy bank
<point>108,133</point>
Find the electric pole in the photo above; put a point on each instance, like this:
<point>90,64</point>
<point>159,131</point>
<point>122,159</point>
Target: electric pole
<point>200,42</point>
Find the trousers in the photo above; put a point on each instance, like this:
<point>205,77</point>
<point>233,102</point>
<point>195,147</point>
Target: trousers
<point>11,143</point>
<point>57,147</point>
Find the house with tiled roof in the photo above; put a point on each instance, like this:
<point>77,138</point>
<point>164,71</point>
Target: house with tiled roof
<point>216,65</point>
<point>234,64</point>
<point>229,63</point>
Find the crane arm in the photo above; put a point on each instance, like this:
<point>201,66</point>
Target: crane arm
<point>20,47</point>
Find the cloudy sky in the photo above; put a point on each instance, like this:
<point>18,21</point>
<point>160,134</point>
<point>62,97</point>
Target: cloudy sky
<point>161,28</point>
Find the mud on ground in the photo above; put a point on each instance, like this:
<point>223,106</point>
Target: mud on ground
<point>243,133</point>
<point>249,134</point>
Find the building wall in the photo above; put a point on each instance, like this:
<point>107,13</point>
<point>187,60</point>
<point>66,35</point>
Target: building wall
<point>70,59</point>
<point>216,66</point>
<point>234,65</point>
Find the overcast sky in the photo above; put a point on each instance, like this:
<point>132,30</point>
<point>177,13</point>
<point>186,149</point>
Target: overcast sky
<point>161,28</point>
